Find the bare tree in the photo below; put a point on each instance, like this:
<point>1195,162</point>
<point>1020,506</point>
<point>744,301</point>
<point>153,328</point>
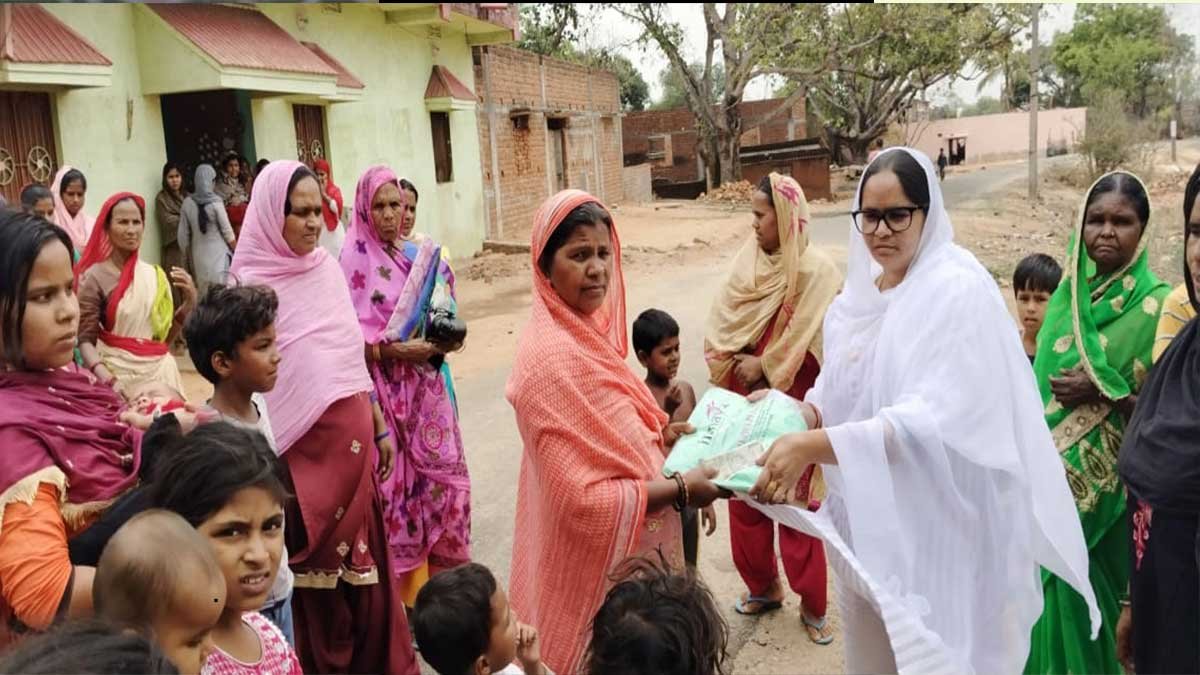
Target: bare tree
<point>750,38</point>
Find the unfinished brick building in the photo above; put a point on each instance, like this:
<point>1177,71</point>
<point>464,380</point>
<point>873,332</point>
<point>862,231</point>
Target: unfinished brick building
<point>544,125</point>
<point>772,140</point>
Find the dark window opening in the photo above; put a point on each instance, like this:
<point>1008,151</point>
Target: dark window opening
<point>443,163</point>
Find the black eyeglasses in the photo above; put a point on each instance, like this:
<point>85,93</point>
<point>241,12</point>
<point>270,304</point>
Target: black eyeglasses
<point>898,218</point>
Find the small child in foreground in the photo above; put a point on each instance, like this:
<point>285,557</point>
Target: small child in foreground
<point>227,483</point>
<point>159,578</point>
<point>656,343</point>
<point>1034,281</point>
<point>463,626</point>
<point>658,622</point>
<point>231,338</point>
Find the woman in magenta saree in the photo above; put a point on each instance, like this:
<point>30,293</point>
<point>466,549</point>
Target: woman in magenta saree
<point>393,283</point>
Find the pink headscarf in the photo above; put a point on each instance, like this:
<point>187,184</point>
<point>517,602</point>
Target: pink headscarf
<point>319,339</point>
<point>79,226</point>
<point>364,255</point>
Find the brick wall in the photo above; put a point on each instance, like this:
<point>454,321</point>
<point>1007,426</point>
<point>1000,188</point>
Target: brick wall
<point>587,101</point>
<point>681,126</point>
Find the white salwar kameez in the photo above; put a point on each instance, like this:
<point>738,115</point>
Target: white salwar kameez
<point>948,493</point>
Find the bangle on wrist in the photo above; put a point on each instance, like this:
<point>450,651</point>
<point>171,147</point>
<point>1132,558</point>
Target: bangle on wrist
<point>820,423</point>
<point>380,437</point>
<point>376,352</point>
<point>681,498</point>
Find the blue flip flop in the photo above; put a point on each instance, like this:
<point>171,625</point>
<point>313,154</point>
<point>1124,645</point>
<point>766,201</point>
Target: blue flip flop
<point>764,605</point>
<point>818,626</point>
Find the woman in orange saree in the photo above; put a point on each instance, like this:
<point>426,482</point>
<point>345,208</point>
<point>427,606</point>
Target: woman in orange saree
<point>591,491</point>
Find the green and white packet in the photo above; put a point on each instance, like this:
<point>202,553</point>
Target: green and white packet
<point>731,434</point>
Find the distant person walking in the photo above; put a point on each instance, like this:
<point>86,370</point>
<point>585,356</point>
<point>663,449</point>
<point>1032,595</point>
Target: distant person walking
<point>942,161</point>
<point>875,150</point>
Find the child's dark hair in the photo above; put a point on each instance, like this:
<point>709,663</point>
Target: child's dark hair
<point>34,193</point>
<point>200,472</point>
<point>22,238</point>
<point>70,177</point>
<point>1037,272</point>
<point>908,171</point>
<point>764,186</point>
<point>1127,186</point>
<point>589,213</point>
<point>260,165</point>
<point>405,184</point>
<point>301,173</point>
<point>224,318</point>
<point>452,620</point>
<point>656,621</point>
<point>90,647</point>
<point>651,328</point>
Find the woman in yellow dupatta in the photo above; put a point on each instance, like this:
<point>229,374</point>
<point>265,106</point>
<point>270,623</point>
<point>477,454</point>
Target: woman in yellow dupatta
<point>764,331</point>
<point>127,317</point>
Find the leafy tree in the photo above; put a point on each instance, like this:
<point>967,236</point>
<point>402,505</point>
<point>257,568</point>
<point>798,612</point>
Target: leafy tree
<point>553,29</point>
<point>915,47</point>
<point>550,28</point>
<point>674,87</point>
<point>635,92</point>
<point>1125,48</point>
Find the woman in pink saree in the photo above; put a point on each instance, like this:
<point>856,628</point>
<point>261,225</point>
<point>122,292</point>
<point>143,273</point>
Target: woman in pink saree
<point>427,500</point>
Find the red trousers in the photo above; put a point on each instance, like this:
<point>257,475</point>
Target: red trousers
<point>752,537</point>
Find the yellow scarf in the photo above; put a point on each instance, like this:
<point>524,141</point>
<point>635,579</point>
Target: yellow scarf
<point>796,282</point>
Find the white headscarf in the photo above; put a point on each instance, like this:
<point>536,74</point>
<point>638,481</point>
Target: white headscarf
<point>948,486</point>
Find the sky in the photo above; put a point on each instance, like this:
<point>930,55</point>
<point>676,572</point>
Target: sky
<point>610,30</point>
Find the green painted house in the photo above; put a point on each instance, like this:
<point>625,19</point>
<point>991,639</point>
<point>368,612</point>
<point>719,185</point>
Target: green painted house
<point>117,89</point>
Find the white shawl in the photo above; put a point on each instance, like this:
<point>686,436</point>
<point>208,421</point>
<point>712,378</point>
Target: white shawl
<point>948,491</point>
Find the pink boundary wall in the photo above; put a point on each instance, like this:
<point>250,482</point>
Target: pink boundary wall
<point>1000,136</point>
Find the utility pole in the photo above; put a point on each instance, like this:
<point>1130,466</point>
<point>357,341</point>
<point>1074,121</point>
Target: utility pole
<point>1034,71</point>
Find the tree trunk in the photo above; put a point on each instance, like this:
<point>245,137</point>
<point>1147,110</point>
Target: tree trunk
<point>731,163</point>
<point>709,150</point>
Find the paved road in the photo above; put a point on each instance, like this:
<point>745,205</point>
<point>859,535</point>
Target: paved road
<point>685,291</point>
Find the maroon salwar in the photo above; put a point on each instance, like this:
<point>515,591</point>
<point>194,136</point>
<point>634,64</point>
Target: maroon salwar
<point>348,614</point>
<point>752,535</point>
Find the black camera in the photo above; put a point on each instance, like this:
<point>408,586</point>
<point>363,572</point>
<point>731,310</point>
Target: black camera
<point>444,329</point>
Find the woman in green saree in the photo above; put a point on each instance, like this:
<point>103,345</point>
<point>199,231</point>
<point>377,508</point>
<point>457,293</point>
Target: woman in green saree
<point>1094,352</point>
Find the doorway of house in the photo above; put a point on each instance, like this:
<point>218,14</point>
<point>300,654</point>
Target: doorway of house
<point>202,127</point>
<point>26,142</point>
<point>556,136</point>
<point>311,141</point>
<point>956,150</point>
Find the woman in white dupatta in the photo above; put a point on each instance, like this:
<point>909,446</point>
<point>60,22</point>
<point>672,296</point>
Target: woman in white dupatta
<point>943,480</point>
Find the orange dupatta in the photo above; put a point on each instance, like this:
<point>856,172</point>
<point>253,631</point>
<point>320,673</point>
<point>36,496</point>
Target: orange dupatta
<point>592,435</point>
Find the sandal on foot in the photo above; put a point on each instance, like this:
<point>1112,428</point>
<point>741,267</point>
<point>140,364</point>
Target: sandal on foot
<point>816,630</point>
<point>764,605</point>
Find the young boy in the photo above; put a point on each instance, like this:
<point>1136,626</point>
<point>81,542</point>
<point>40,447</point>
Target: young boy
<point>463,626</point>
<point>1034,281</point>
<point>656,343</point>
<point>231,339</point>
<point>158,576</point>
